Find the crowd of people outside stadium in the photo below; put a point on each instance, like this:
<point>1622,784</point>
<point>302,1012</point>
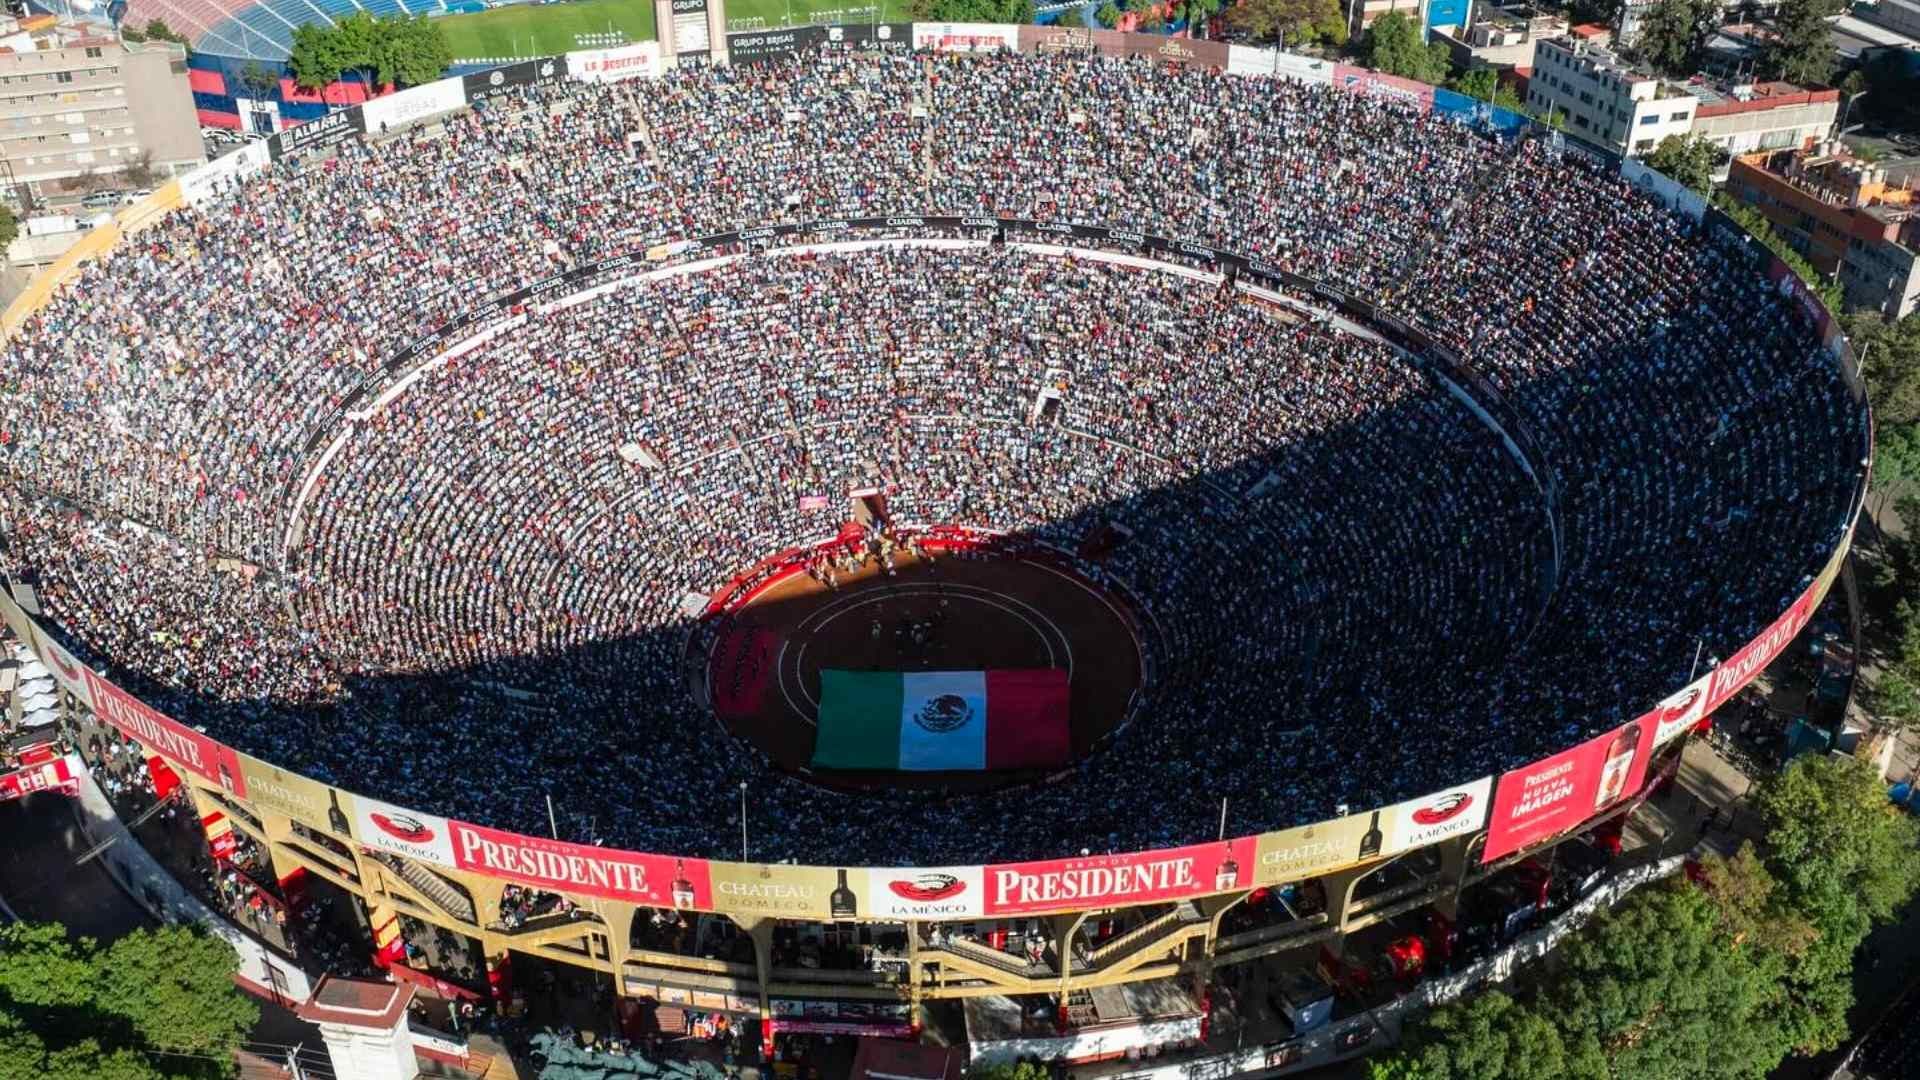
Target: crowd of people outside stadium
<point>481,602</point>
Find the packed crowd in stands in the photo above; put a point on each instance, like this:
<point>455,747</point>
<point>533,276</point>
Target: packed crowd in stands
<point>1356,582</point>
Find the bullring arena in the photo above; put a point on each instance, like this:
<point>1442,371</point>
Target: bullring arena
<point>463,501</point>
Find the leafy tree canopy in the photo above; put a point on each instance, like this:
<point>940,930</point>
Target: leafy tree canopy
<point>1717,980</point>
<point>1674,33</point>
<point>1690,159</point>
<point>401,50</point>
<point>1393,46</point>
<point>1801,49</point>
<point>1290,22</point>
<point>154,1005</point>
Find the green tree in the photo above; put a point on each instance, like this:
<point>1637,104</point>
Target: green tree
<point>1485,84</point>
<point>1762,230</point>
<point>155,1005</point>
<point>1890,360</point>
<point>1673,34</point>
<point>1490,1036</point>
<point>1846,859</point>
<point>1690,159</point>
<point>9,226</point>
<point>1393,46</point>
<point>1290,22</point>
<point>1801,48</point>
<point>1892,81</point>
<point>1108,14</point>
<point>315,57</point>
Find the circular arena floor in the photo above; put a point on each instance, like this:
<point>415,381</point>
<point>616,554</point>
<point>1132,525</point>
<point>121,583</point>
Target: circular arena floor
<point>953,612</point>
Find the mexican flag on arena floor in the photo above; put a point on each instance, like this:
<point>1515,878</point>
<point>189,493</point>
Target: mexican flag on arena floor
<point>932,721</point>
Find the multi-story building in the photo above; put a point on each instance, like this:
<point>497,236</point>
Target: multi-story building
<point>1603,100</point>
<point>75,100</point>
<point>1843,216</point>
<point>1502,37</point>
<point>1763,116</point>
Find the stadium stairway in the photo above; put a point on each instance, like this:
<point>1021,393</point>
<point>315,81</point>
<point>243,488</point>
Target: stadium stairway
<point>430,885</point>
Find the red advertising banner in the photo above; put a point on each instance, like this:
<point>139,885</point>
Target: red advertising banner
<point>654,880</point>
<point>1739,669</point>
<point>178,743</point>
<point>1557,793</point>
<point>1095,880</point>
<point>47,776</point>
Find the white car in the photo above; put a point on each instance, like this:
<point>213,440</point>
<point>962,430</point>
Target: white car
<point>132,197</point>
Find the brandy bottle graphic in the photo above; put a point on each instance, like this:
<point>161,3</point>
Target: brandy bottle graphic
<point>841,903</point>
<point>226,778</point>
<point>1370,843</point>
<point>1228,875</point>
<point>336,817</point>
<point>682,887</point>
<point>1613,775</point>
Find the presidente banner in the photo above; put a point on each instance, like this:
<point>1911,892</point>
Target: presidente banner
<point>1131,878</point>
<point>309,802</point>
<point>652,880</point>
<point>174,741</point>
<point>1739,669</point>
<point>1557,793</point>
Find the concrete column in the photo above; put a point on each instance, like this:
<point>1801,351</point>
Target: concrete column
<point>1454,865</point>
<point>364,1023</point>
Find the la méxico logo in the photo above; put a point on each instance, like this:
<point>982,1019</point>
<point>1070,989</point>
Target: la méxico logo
<point>1444,809</point>
<point>407,830</point>
<point>927,888</point>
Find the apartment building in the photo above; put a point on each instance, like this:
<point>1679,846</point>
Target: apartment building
<point>1603,100</point>
<point>75,100</point>
<point>1840,213</point>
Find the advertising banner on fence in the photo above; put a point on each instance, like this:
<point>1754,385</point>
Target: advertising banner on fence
<point>325,133</point>
<point>1374,84</point>
<point>870,35</point>
<point>1557,793</point>
<point>1135,878</point>
<point>965,37</point>
<point>491,84</point>
<point>640,60</point>
<point>413,105</point>
<point>176,742</point>
<point>761,45</point>
<point>1680,711</point>
<point>1294,854</point>
<point>386,827</point>
<point>1449,812</point>
<point>224,172</point>
<point>939,892</point>
<point>1739,669</point>
<point>653,880</point>
<point>66,670</point>
<point>309,802</point>
<point>799,892</point>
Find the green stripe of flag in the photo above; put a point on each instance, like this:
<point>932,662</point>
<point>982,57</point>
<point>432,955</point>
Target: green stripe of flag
<point>859,720</point>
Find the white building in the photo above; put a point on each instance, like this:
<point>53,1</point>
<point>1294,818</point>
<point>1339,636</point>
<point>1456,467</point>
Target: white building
<point>1762,116</point>
<point>1605,101</point>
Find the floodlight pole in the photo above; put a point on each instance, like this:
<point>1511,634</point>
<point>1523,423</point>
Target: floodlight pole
<point>743,821</point>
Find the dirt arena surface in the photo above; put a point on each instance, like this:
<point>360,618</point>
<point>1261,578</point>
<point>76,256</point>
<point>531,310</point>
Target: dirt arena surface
<point>968,611</point>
